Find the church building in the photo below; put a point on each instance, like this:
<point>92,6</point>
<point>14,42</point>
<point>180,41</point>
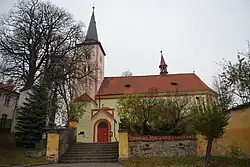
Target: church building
<point>100,122</point>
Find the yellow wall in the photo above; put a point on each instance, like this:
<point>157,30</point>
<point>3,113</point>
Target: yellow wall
<point>73,124</point>
<point>237,134</point>
<point>86,124</point>
<point>123,145</point>
<point>52,147</point>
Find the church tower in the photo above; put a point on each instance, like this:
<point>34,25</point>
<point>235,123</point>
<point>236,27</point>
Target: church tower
<point>94,54</point>
<point>163,66</point>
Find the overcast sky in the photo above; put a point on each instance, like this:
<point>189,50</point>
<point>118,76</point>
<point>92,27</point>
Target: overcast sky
<point>193,34</point>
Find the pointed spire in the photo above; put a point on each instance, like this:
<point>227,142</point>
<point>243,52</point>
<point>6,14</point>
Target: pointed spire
<point>162,63</point>
<point>163,66</point>
<point>92,30</point>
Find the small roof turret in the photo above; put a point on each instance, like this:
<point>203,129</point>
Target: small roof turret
<point>163,66</point>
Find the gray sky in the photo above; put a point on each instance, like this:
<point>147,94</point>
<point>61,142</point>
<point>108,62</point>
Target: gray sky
<point>193,34</point>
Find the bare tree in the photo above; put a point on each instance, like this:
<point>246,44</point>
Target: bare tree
<point>225,97</point>
<point>38,41</point>
<point>172,115</point>
<point>233,82</point>
<point>137,111</point>
<point>148,113</point>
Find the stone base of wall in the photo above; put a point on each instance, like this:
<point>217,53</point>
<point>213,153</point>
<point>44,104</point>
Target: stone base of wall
<point>34,153</point>
<point>169,146</point>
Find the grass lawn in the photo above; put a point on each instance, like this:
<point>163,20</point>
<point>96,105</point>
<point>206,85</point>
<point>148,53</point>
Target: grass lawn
<point>11,155</point>
<point>185,162</point>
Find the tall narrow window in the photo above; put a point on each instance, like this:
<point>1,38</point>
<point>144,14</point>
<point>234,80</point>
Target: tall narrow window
<point>197,100</point>
<point>89,68</point>
<point>202,100</point>
<point>3,120</point>
<point>7,100</point>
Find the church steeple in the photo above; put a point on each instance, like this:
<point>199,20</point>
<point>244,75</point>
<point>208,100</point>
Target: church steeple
<point>163,66</point>
<point>92,30</point>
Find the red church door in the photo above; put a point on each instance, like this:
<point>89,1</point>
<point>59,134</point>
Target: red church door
<point>102,135</point>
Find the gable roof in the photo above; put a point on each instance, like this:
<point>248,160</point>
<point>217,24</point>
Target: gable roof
<point>187,82</point>
<point>8,87</point>
<point>84,97</point>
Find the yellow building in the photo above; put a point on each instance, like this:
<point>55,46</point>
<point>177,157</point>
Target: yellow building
<point>100,122</point>
<point>236,136</point>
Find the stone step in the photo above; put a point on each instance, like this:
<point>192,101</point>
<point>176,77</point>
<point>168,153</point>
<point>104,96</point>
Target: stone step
<point>73,154</point>
<point>93,153</point>
<point>94,149</point>
<point>94,146</point>
<point>80,157</point>
<point>100,147</point>
<point>89,161</point>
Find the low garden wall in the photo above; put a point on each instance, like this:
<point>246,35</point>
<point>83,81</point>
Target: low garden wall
<point>148,146</point>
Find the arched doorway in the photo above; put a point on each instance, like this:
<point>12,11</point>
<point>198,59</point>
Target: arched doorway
<point>103,132</point>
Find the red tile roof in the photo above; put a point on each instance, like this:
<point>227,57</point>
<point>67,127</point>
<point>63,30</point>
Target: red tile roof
<point>84,97</point>
<point>6,86</point>
<point>187,82</point>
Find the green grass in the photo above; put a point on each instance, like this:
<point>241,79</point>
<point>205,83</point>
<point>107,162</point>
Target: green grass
<point>16,156</point>
<point>12,155</point>
<point>192,161</point>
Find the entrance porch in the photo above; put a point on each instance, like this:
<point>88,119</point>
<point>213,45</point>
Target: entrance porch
<point>98,126</point>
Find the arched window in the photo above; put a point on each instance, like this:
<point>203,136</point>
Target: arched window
<point>102,125</point>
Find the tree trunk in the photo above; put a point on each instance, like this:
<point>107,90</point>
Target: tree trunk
<point>29,82</point>
<point>53,107</point>
<point>208,151</point>
<point>143,127</point>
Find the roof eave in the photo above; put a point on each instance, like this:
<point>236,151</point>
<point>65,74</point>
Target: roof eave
<point>87,42</point>
<point>182,92</point>
<point>12,91</point>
